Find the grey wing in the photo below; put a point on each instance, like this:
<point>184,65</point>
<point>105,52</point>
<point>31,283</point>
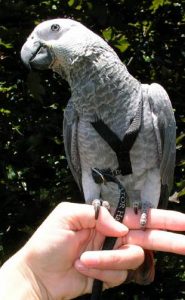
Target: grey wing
<point>70,135</point>
<point>165,130</point>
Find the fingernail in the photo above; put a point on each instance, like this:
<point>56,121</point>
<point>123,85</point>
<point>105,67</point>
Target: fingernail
<point>80,266</point>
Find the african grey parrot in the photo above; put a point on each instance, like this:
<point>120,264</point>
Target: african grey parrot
<point>103,92</point>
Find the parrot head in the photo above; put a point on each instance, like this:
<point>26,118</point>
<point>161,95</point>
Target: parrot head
<point>57,43</point>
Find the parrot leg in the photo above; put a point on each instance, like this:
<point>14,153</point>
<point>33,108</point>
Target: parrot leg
<point>99,176</point>
<point>151,188</point>
<point>144,213</point>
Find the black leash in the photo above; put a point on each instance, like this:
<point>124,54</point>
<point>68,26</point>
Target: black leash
<point>102,176</point>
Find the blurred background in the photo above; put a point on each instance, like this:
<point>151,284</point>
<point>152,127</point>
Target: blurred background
<point>149,37</point>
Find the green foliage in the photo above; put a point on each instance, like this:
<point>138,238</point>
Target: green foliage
<point>149,37</point>
<point>157,3</point>
<point>118,39</point>
<point>6,45</point>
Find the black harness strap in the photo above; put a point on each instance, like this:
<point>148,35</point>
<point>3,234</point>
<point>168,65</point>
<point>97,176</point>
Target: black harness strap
<point>122,148</point>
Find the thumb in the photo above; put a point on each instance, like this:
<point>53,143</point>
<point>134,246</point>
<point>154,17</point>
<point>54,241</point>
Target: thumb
<point>82,216</point>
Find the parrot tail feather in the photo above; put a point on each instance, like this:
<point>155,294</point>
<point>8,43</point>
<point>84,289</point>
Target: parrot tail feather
<point>145,274</point>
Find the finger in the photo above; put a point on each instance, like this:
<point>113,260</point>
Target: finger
<point>111,278</point>
<point>126,257</point>
<point>157,219</point>
<point>157,240</point>
<point>81,216</point>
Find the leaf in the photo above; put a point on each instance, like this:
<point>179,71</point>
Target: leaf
<point>157,3</point>
<point>107,34</point>
<point>120,41</point>
<point>17,129</point>
<point>181,184</point>
<point>77,3</point>
<point>71,2</point>
<point>180,138</point>
<point>11,174</point>
<point>181,163</point>
<point>54,7</point>
<point>122,44</point>
<point>181,193</point>
<point>5,111</point>
<point>4,89</point>
<point>6,45</point>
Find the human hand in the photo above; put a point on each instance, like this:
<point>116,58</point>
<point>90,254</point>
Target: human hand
<point>53,252</point>
<point>59,256</point>
<point>154,237</point>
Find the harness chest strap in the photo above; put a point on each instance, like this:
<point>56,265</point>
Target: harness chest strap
<point>122,148</point>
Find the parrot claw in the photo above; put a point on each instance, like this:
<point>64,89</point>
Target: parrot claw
<point>106,205</point>
<point>144,214</point>
<point>136,207</point>
<point>96,203</point>
<point>143,219</point>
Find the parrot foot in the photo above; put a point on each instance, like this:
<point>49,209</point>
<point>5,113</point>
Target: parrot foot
<point>97,203</point>
<point>144,214</point>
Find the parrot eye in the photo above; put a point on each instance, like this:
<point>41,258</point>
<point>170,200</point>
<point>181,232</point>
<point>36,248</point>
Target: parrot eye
<point>55,27</point>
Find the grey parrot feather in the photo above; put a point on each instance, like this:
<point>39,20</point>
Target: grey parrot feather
<point>164,124</point>
<point>70,135</point>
